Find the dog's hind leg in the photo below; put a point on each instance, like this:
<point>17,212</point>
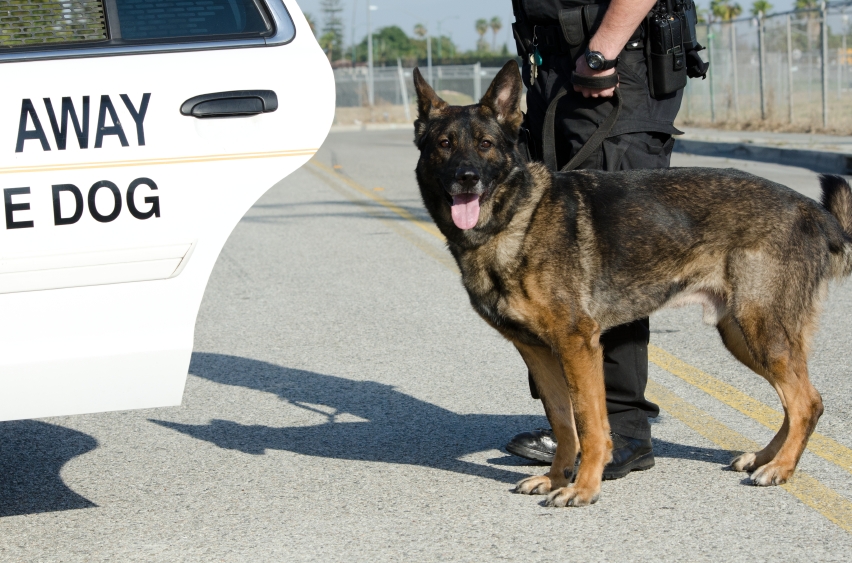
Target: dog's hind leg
<point>550,381</point>
<point>734,340</point>
<point>779,354</point>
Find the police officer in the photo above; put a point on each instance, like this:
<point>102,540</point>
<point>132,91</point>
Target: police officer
<point>564,43</point>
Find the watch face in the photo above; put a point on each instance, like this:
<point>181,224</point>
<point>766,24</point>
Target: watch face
<point>595,60</point>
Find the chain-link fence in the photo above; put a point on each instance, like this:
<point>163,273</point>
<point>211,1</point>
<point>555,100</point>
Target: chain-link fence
<point>393,90</point>
<point>790,71</point>
<point>785,71</point>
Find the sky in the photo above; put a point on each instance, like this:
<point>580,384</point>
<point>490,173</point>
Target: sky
<point>456,17</point>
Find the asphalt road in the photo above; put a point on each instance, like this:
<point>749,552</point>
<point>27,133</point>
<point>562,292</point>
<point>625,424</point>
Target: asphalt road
<point>346,404</point>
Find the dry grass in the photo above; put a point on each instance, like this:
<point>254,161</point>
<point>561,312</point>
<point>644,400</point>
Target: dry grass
<point>377,114</point>
<point>384,112</point>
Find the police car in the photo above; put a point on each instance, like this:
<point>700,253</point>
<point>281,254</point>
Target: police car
<point>134,135</point>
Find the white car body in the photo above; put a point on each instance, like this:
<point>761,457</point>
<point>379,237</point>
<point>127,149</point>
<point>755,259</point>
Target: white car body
<point>99,315</point>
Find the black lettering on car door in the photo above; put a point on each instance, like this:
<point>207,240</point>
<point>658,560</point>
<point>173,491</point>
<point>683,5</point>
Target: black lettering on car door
<point>12,207</point>
<point>31,129</point>
<point>28,113</point>
<point>58,219</point>
<point>93,209</point>
<point>138,116</point>
<point>154,201</point>
<point>114,129</point>
<point>60,130</point>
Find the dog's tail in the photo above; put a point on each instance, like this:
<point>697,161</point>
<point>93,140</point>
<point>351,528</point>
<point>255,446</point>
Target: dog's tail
<point>837,199</point>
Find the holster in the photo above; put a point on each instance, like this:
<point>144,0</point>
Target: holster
<point>579,24</point>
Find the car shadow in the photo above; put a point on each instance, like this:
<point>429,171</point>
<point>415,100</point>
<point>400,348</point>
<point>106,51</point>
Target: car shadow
<point>366,421</point>
<point>32,454</point>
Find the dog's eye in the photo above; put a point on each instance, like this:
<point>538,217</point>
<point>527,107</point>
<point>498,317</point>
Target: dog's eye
<point>445,143</point>
<point>485,144</point>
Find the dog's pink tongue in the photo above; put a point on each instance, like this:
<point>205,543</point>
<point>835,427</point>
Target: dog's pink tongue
<point>465,210</point>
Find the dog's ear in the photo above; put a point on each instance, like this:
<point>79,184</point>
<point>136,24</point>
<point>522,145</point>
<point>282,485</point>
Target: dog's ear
<point>504,97</point>
<point>428,101</point>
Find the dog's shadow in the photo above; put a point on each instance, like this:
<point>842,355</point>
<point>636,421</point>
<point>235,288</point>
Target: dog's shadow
<point>368,421</point>
<point>32,454</point>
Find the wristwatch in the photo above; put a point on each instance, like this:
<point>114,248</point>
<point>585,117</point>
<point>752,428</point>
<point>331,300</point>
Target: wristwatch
<point>597,61</point>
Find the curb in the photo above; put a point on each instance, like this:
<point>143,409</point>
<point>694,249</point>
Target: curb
<point>825,162</point>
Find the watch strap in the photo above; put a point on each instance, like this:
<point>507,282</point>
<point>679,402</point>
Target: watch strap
<point>608,63</point>
<point>596,82</point>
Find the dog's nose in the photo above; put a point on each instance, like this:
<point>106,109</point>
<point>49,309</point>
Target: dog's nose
<point>467,176</point>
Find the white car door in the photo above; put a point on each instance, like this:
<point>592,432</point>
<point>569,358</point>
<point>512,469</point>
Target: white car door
<point>131,145</point>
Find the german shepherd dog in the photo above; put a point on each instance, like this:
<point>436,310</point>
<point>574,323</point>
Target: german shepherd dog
<point>552,260</point>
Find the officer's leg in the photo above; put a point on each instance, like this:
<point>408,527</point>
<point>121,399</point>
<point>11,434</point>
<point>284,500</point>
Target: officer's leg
<point>626,346</point>
<point>625,376</point>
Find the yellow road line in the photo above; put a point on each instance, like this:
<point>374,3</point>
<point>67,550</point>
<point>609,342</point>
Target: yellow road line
<point>428,227</point>
<point>438,254</point>
<point>804,487</point>
<point>821,445</point>
<point>807,489</point>
<point>157,161</point>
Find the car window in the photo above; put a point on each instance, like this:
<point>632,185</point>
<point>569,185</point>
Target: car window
<point>53,23</point>
<point>160,19</point>
<point>26,23</point>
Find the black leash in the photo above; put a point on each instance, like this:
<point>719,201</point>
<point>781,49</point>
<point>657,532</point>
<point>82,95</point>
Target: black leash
<point>601,133</point>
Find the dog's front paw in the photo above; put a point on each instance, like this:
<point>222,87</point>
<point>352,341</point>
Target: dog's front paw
<point>745,462</point>
<point>572,496</point>
<point>771,474</point>
<point>533,485</point>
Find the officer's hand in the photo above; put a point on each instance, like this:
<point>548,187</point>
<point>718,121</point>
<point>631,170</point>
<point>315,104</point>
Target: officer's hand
<point>583,70</point>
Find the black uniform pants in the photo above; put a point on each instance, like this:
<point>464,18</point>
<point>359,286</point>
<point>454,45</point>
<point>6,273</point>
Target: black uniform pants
<point>643,139</point>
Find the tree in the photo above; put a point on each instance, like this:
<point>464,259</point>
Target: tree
<point>496,25</point>
<point>388,43</point>
<point>330,44</point>
<point>420,30</point>
<point>725,10</point>
<point>807,4</point>
<point>332,30</point>
<point>760,7</point>
<point>311,23</point>
<point>440,46</point>
<point>812,25</point>
<point>481,29</point>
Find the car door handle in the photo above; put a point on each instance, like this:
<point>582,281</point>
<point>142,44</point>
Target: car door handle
<point>237,103</point>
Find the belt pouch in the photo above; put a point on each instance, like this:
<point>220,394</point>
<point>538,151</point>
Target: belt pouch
<point>665,58</point>
<point>571,21</point>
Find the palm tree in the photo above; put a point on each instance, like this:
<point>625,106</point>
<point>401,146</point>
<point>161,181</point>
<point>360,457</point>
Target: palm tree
<point>496,25</point>
<point>725,10</point>
<point>760,7</point>
<point>420,30</point>
<point>812,25</point>
<point>482,29</point>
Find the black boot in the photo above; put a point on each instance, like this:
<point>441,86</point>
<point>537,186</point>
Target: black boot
<point>628,454</point>
<point>538,445</point>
